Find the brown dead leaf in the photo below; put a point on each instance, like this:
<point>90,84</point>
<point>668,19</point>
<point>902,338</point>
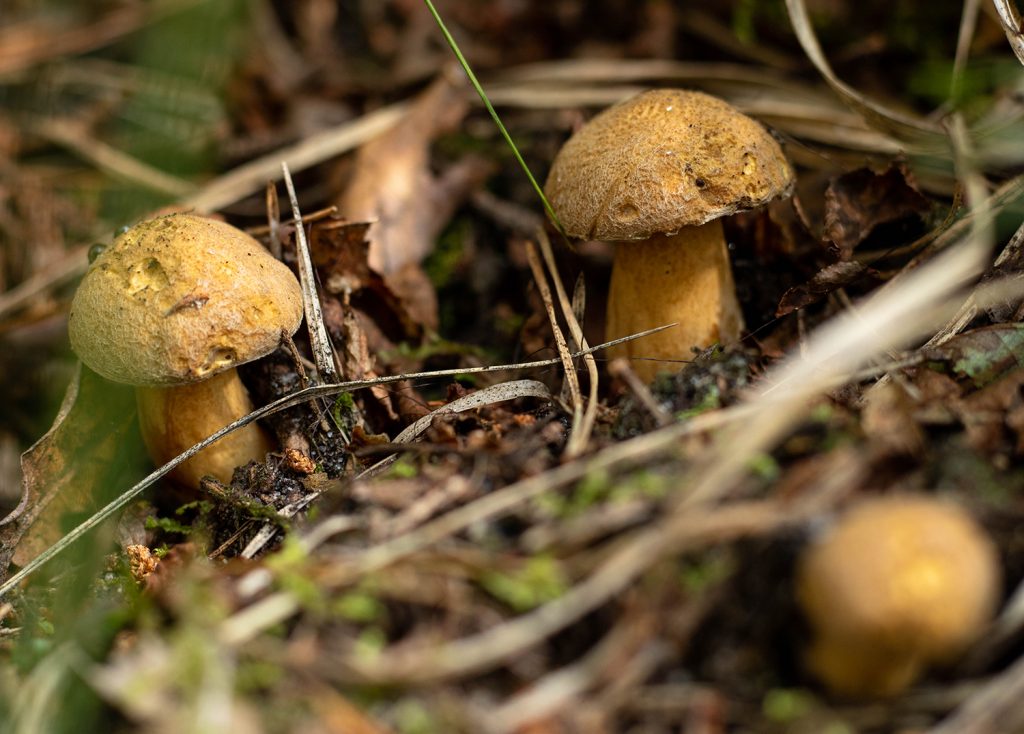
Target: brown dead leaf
<point>981,355</point>
<point>825,281</point>
<point>859,201</point>
<point>392,185</point>
<point>89,454</point>
<point>340,252</point>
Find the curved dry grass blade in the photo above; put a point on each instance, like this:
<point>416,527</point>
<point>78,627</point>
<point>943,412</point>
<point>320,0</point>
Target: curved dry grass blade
<point>1010,20</point>
<point>912,130</point>
<point>487,396</point>
<point>572,382</point>
<point>581,434</point>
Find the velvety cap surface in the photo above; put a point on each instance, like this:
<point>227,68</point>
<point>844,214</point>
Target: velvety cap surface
<point>660,161</point>
<point>179,298</point>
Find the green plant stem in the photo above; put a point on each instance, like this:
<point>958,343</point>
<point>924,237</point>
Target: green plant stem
<point>494,115</point>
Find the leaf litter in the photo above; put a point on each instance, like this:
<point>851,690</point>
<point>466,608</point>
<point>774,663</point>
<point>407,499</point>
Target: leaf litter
<point>517,566</point>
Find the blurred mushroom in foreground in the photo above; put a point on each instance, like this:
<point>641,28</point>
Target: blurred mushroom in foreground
<point>656,174</point>
<point>899,584</point>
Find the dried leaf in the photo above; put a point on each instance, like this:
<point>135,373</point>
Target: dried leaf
<point>392,185</point>
<point>340,252</point>
<point>85,457</point>
<point>983,354</point>
<point>858,202</point>
<point>835,276</point>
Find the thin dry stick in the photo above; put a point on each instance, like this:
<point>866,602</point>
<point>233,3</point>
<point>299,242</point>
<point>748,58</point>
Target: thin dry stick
<point>581,435</point>
<point>320,343</point>
<point>571,378</point>
<point>983,225</point>
<point>265,229</point>
<point>249,177</point>
<point>111,160</point>
<point>620,368</point>
<point>968,24</point>
<point>70,266</point>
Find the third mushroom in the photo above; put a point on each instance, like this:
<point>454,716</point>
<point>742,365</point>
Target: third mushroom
<point>655,174</point>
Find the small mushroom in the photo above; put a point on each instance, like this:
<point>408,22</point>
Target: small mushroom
<point>655,174</point>
<point>172,307</point>
<point>899,584</point>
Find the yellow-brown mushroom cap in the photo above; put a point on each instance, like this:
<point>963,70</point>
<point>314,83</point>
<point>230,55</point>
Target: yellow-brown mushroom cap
<point>898,584</point>
<point>660,161</point>
<point>179,298</point>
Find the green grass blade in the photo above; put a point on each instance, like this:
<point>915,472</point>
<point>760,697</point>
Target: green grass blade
<point>494,115</point>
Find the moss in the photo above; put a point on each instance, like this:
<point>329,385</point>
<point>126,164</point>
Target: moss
<point>539,580</point>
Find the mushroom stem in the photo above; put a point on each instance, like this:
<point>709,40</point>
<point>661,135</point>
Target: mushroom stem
<point>173,419</point>
<point>682,278</point>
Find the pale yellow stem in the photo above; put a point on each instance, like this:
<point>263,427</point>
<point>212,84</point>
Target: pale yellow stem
<point>684,278</point>
<point>173,419</point>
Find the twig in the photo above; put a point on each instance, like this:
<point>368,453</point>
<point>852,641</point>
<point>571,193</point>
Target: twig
<point>111,160</point>
<point>319,214</point>
<point>620,368</point>
<point>323,351</point>
<point>70,266</point>
<point>580,437</point>
<point>249,177</point>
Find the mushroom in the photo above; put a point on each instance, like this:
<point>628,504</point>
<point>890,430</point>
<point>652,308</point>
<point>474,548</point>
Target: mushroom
<point>172,307</point>
<point>655,174</point>
<point>899,584</point>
